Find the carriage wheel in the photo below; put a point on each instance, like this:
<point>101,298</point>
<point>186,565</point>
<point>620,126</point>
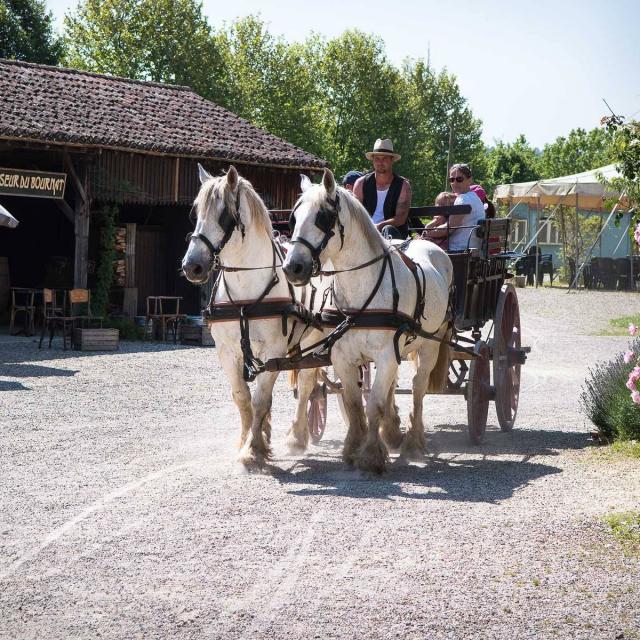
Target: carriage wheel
<point>317,413</point>
<point>457,374</point>
<point>478,393</point>
<point>506,367</point>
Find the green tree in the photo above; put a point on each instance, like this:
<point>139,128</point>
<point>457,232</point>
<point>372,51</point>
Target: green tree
<point>512,162</point>
<point>360,97</point>
<point>580,151</point>
<point>160,40</point>
<point>268,82</point>
<point>438,111</point>
<point>626,152</point>
<point>26,32</point>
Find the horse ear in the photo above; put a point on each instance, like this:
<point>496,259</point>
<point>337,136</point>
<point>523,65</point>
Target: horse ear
<point>202,174</point>
<point>232,178</point>
<point>329,182</point>
<point>305,182</point>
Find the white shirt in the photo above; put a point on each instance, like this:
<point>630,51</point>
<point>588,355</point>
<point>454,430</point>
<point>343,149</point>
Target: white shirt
<point>378,214</point>
<point>459,238</point>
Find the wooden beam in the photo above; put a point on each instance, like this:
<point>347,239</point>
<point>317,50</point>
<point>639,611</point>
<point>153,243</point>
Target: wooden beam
<point>176,184</point>
<point>81,257</point>
<point>66,209</point>
<point>76,181</point>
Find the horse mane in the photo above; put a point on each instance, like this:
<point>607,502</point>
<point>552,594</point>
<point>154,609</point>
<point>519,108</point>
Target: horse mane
<point>360,215</point>
<point>217,188</point>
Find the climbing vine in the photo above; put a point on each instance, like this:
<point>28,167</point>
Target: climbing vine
<point>107,218</point>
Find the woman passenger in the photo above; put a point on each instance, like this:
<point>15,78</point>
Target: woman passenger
<point>461,226</point>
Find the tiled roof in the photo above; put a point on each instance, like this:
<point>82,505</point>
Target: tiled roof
<point>65,105</point>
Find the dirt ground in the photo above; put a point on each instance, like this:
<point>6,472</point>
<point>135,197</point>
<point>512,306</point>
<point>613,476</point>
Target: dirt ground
<point>124,515</point>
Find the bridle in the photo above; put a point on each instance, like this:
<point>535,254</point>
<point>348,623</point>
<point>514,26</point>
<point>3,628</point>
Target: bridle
<point>229,222</point>
<point>326,220</point>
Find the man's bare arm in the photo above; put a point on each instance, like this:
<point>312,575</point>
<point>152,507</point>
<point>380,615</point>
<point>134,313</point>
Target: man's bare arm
<point>358,189</point>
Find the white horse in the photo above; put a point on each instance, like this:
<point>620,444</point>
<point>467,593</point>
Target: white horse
<point>234,233</point>
<point>331,225</point>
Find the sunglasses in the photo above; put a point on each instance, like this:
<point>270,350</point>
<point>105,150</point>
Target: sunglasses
<point>457,179</point>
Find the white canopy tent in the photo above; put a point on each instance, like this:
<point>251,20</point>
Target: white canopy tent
<point>586,188</point>
<point>585,191</point>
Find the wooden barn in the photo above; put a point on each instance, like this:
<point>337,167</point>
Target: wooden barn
<point>73,142</point>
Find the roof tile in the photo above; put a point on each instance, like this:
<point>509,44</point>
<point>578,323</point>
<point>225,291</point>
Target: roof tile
<point>66,105</point>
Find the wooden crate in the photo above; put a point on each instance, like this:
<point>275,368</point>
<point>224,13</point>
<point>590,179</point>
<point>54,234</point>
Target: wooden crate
<point>196,334</point>
<point>96,339</point>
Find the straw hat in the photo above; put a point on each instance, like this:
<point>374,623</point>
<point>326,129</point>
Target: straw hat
<point>382,147</point>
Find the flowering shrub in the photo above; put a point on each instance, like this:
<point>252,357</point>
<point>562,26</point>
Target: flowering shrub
<point>634,375</point>
<point>605,396</point>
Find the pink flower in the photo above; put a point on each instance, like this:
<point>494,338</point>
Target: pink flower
<point>631,385</point>
<point>636,234</point>
<point>628,356</point>
<point>635,396</point>
<point>633,329</point>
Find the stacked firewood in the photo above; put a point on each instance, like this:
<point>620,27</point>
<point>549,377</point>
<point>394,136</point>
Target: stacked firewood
<point>120,272</point>
<point>120,242</point>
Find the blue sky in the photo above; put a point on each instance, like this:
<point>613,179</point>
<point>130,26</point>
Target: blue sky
<point>539,68</point>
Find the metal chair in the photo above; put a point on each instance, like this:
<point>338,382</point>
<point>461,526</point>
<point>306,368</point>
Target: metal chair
<point>622,268</point>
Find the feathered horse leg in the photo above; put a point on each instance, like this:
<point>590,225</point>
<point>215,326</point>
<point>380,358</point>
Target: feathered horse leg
<point>298,436</point>
<point>256,450</point>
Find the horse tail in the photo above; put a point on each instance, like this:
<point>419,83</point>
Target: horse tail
<point>438,375</point>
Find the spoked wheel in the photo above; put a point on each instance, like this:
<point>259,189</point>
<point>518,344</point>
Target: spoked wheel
<point>317,413</point>
<point>457,374</point>
<point>478,393</point>
<point>506,362</point>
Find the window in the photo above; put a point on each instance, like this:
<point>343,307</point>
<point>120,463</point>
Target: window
<point>518,232</point>
<point>550,234</point>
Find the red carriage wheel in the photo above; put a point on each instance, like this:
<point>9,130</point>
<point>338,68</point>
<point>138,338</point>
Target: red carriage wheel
<point>478,393</point>
<point>317,413</point>
<point>506,357</point>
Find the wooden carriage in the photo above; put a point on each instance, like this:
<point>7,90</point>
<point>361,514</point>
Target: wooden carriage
<point>485,360</point>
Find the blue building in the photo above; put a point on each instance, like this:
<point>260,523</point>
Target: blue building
<point>534,205</point>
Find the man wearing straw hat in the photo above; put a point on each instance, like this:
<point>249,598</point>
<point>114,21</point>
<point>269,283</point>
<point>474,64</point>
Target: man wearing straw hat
<point>385,194</point>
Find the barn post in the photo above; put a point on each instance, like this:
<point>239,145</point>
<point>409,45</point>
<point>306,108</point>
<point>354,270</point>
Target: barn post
<point>82,215</point>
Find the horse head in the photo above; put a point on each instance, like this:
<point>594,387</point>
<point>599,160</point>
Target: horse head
<point>317,228</point>
<point>218,222</point>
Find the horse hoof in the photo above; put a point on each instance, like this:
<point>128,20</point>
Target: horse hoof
<point>294,446</point>
<point>373,458</point>
<point>253,458</point>
<point>393,440</point>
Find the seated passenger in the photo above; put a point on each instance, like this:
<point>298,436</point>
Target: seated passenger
<point>436,230</point>
<point>460,227</point>
<point>350,178</point>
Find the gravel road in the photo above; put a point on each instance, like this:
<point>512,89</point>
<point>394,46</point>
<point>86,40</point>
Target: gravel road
<point>124,515</point>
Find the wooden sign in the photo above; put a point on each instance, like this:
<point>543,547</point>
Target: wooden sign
<point>34,184</point>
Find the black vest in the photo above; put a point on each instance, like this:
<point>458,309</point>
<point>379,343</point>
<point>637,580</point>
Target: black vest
<point>370,198</point>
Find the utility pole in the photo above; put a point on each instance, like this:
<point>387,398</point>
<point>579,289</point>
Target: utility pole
<point>446,177</point>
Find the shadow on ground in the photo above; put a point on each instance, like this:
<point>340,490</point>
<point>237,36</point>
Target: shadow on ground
<point>471,474</point>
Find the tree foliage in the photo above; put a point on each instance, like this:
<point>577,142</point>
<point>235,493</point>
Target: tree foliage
<point>580,151</point>
<point>512,162</point>
<point>26,32</point>
<point>160,40</point>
